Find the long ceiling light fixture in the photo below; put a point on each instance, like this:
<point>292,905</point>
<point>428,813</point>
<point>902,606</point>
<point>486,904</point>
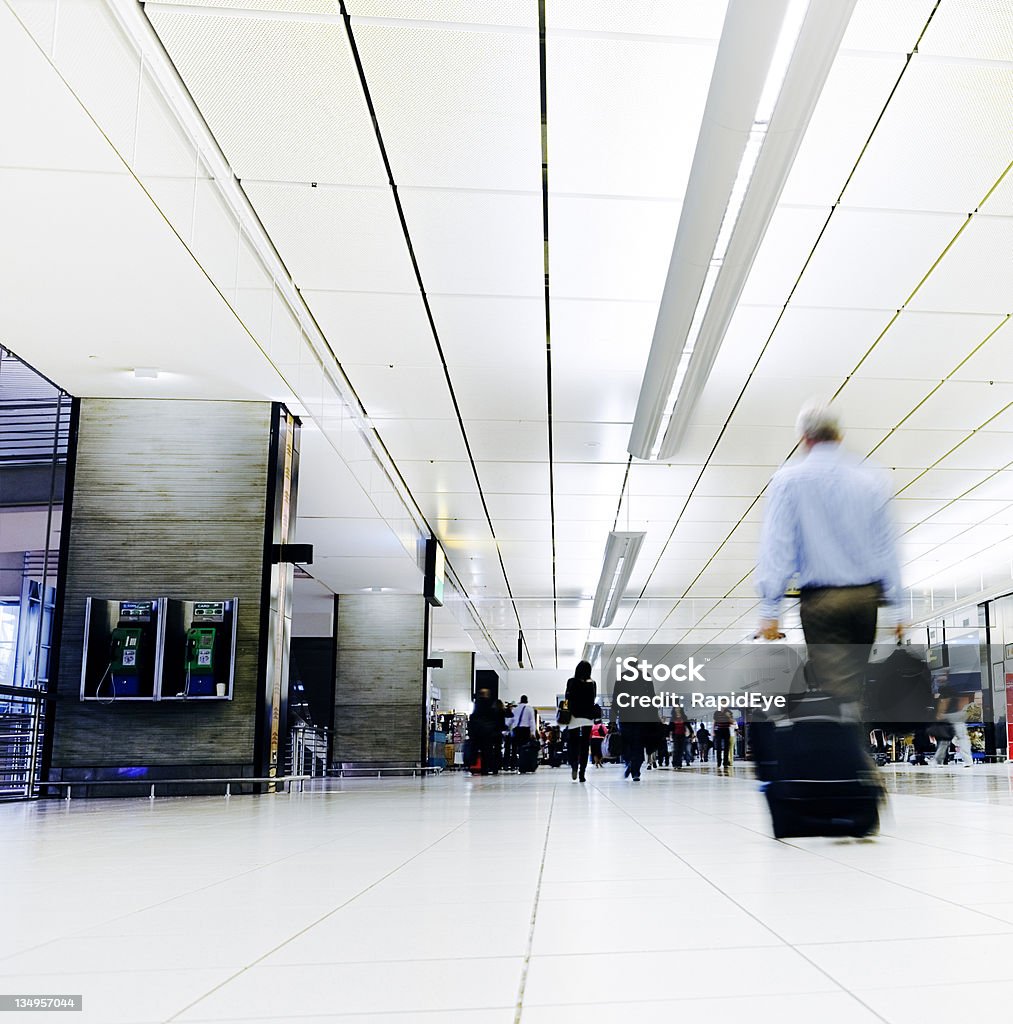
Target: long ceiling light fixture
<point>772,62</point>
<point>620,556</point>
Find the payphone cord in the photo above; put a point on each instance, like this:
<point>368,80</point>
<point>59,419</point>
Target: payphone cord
<point>98,689</point>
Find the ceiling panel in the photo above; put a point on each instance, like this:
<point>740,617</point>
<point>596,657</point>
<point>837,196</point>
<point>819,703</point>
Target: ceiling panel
<point>821,342</point>
<point>909,511</point>
<point>918,448</point>
<point>868,402</point>
<point>402,392</point>
<point>609,248</point>
<point>420,440</point>
<point>371,327</point>
<point>336,238</point>
<point>508,441</point>
<point>889,27</point>
<point>499,393</point>
<point>748,446</point>
<point>580,391</point>
<point>936,147</point>
<point>873,259</point>
<point>491,331</point>
<point>597,508</point>
<point>589,478</point>
<point>348,538</point>
<point>724,481</point>
<point>457,108</point>
<point>693,18</point>
<point>961,405</point>
<point>439,506</point>
<point>971,28</point>
<point>993,361</point>
<point>514,477</point>
<point>945,483</point>
<point>764,404</point>
<point>523,529</point>
<point>790,237</point>
<point>974,276</point>
<point>716,510</point>
<point>607,96</point>
<point>281,95</point>
<point>659,478</point>
<point>44,126</point>
<point>518,506</point>
<point>853,97</point>
<point>477,243</point>
<point>999,486</point>
<point>941,340</point>
<point>430,475</point>
<point>612,337</point>
<point>483,12</point>
<point>590,442</point>
<point>982,450</point>
<point>747,334</point>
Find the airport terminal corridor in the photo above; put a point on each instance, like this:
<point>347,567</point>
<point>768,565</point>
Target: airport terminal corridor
<point>514,898</point>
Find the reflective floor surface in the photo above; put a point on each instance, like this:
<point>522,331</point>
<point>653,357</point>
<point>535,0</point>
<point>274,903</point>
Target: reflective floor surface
<point>496,900</point>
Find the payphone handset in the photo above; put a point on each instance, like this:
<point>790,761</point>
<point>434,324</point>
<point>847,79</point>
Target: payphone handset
<point>125,648</point>
<point>200,650</point>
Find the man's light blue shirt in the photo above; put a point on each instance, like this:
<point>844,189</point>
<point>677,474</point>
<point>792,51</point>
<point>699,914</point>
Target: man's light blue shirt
<point>827,520</point>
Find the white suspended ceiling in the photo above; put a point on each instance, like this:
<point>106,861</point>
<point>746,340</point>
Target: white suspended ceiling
<point>884,280</point>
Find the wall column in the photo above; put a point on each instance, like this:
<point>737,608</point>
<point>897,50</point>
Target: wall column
<point>379,693</point>
<point>183,500</point>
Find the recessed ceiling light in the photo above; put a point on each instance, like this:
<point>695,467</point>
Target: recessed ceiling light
<point>146,372</point>
<point>591,444</point>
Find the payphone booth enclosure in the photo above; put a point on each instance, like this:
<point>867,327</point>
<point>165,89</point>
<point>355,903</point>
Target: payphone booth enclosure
<point>121,659</point>
<point>200,649</point>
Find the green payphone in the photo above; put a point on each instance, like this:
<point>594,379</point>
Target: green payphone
<point>200,650</point>
<point>122,650</point>
<point>128,649</point>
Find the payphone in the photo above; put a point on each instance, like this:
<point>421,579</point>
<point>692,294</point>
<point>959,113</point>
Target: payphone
<point>200,650</point>
<point>122,650</point>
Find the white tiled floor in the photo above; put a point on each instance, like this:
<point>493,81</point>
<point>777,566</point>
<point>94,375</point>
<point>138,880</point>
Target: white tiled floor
<point>533,899</point>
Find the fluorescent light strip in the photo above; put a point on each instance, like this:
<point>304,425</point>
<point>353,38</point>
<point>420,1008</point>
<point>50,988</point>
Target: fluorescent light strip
<point>748,40</point>
<point>621,552</point>
<point>782,117</point>
<point>776,73</point>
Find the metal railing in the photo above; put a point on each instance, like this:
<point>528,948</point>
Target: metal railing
<point>309,750</point>
<point>284,781</point>
<point>21,720</point>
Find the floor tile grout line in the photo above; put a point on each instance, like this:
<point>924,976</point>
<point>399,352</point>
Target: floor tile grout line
<point>760,922</point>
<point>171,899</point>
<point>842,864</point>
<point>320,920</point>
<point>522,987</point>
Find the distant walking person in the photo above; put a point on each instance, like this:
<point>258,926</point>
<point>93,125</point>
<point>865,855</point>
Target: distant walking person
<point>580,694</point>
<point>723,721</point>
<point>598,734</point>
<point>703,742</point>
<point>828,522</point>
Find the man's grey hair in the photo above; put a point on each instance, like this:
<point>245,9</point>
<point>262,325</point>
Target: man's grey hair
<point>818,421</point>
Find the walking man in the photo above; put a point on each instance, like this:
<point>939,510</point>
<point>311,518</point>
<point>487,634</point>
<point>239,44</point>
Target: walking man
<point>828,521</point>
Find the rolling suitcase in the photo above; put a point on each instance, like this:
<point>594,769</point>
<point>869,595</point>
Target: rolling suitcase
<point>820,781</point>
<point>527,758</point>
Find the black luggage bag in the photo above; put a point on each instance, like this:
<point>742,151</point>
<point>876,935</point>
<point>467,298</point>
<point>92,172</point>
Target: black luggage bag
<point>819,779</point>
<point>527,757</point>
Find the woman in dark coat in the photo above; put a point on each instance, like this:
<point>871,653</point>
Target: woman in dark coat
<point>580,694</point>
